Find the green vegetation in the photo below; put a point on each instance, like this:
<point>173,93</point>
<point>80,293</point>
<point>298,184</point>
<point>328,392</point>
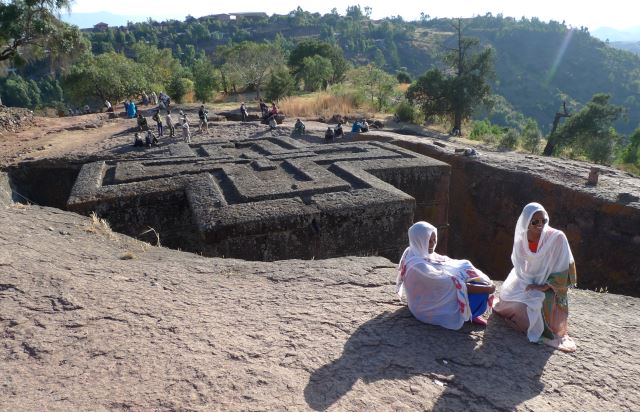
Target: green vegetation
<point>589,132</point>
<point>29,28</point>
<point>537,66</point>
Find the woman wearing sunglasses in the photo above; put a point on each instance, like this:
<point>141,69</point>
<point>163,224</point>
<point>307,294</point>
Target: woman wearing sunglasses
<point>440,290</point>
<point>534,296</point>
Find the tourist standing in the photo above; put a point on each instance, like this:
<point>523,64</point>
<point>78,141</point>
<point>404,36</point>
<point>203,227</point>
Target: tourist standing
<point>169,120</point>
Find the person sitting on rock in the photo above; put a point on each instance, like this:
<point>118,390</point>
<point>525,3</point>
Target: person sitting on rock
<point>150,139</point>
<point>299,128</point>
<point>338,130</point>
<point>533,298</point>
<point>364,126</point>
<point>440,290</point>
<point>272,114</point>
<point>137,140</point>
<point>142,123</point>
<point>329,134</point>
<point>264,109</point>
<point>356,127</point>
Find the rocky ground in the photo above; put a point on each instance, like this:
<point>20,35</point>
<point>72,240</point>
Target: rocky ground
<point>98,135</point>
<point>93,320</point>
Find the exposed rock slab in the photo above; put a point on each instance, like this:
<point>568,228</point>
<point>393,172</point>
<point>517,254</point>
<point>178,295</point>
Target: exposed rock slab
<point>91,320</point>
<point>489,191</point>
<point>270,198</point>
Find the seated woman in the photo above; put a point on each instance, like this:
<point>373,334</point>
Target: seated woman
<point>440,290</point>
<point>533,299</point>
<point>329,134</point>
<point>338,130</point>
<point>299,128</point>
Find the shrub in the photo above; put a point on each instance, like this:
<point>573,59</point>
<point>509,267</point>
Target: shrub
<point>509,140</point>
<point>531,136</point>
<point>179,87</point>
<point>405,112</point>
<point>485,131</point>
<point>281,84</point>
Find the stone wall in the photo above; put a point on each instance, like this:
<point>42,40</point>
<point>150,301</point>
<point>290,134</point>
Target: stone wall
<point>270,198</point>
<point>487,195</point>
<point>46,182</point>
<point>6,197</point>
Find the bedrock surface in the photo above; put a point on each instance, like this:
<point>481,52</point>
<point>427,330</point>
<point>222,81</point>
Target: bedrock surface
<point>92,320</point>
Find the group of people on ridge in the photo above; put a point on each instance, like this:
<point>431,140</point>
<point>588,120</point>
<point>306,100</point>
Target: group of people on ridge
<point>533,299</point>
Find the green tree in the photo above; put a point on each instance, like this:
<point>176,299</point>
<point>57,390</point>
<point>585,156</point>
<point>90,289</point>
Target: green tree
<point>16,92</point>
<point>377,84</point>
<point>531,136</point>
<point>251,63</point>
<point>109,76</point>
<point>310,48</point>
<point>178,87</point>
<point>35,24</point>
<point>403,76</point>
<point>590,131</point>
<point>316,72</point>
<point>205,81</point>
<point>462,87</point>
<point>160,63</point>
<point>281,84</point>
<point>631,153</point>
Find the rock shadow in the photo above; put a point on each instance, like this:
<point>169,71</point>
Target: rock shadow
<point>496,369</point>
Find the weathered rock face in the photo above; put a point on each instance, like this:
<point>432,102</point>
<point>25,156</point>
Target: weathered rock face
<point>488,194</point>
<point>13,119</point>
<point>270,198</point>
<point>92,320</point>
<point>6,193</point>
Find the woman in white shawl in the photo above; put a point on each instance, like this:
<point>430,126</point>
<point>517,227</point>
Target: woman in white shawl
<point>534,296</point>
<point>439,290</point>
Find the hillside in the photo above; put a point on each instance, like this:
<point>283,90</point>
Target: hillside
<point>538,65</point>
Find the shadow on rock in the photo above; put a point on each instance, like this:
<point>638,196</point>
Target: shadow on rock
<point>496,369</point>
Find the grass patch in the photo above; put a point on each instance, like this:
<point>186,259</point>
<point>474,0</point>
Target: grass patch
<point>318,105</point>
<point>128,256</point>
<point>99,226</point>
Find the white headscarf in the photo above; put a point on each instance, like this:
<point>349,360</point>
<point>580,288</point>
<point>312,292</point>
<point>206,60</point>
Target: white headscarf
<point>553,255</point>
<point>433,284</point>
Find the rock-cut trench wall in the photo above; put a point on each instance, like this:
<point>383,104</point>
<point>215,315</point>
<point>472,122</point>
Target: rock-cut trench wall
<point>486,200</point>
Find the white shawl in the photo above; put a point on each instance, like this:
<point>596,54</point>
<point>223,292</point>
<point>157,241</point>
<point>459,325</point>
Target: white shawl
<point>433,284</point>
<point>552,256</point>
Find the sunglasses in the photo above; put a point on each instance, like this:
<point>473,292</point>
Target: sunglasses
<point>536,222</point>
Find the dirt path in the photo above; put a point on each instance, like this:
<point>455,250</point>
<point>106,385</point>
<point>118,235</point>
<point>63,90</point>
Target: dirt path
<point>53,137</point>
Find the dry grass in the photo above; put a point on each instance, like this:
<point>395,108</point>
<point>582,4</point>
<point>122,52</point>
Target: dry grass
<point>152,230</point>
<point>128,255</point>
<point>317,104</point>
<point>99,226</point>
<point>17,205</point>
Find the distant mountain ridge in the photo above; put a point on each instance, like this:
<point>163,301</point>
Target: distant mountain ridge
<point>538,65</point>
<point>614,35</point>
<point>88,20</point>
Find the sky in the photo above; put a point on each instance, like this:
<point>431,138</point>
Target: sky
<point>576,13</point>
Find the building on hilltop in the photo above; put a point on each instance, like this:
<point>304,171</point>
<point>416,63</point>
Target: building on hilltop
<point>101,27</point>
